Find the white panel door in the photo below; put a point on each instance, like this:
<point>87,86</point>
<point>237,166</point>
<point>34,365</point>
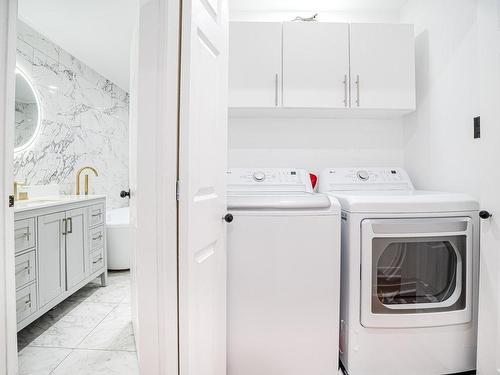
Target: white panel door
<point>315,65</point>
<point>51,243</point>
<point>488,350</point>
<point>77,249</point>
<point>382,66</point>
<point>202,172</point>
<point>254,64</point>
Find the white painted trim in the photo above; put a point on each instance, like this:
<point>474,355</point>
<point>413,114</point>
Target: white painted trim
<point>155,190</point>
<point>8,342</point>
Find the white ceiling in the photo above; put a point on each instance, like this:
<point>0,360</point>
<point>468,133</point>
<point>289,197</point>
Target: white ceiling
<point>319,5</point>
<point>97,32</point>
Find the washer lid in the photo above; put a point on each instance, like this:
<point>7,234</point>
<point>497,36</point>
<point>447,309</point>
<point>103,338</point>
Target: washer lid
<point>274,189</point>
<point>279,201</point>
<point>401,201</point>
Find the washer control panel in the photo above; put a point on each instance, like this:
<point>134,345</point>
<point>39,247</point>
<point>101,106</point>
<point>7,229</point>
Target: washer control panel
<point>268,179</point>
<point>341,179</point>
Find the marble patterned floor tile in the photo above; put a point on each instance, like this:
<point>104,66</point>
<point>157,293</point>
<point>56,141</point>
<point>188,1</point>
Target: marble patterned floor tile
<point>99,362</point>
<point>40,361</point>
<point>109,294</point>
<point>113,333</point>
<point>64,328</point>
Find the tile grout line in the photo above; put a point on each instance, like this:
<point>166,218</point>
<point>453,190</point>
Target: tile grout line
<point>97,325</point>
<point>59,364</point>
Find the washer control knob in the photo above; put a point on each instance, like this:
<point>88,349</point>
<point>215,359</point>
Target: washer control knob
<point>259,176</point>
<point>363,175</point>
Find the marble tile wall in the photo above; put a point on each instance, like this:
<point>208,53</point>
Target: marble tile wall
<point>26,117</point>
<point>84,121</point>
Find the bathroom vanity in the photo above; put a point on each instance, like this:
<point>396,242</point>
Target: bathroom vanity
<point>60,246</point>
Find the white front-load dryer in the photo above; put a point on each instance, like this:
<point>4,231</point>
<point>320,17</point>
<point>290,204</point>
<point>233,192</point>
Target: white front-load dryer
<point>283,290</point>
<point>409,283</point>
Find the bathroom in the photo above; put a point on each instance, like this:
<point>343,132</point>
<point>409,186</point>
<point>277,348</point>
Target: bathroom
<point>71,156</point>
<point>167,152</point>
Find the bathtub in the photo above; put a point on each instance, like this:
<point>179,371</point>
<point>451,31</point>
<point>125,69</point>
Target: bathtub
<point>118,238</point>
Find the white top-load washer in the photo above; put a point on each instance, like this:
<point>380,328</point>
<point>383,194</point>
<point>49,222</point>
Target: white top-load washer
<point>283,275</point>
<point>409,274</point>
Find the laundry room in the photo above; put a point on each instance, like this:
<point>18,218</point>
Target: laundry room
<point>367,96</point>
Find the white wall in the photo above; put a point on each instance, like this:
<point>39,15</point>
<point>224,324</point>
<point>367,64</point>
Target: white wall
<point>440,152</point>
<point>315,143</point>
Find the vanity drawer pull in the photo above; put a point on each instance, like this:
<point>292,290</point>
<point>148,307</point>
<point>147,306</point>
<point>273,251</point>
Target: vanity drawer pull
<point>98,260</point>
<point>26,235</point>
<point>27,268</point>
<point>96,215</point>
<point>25,302</point>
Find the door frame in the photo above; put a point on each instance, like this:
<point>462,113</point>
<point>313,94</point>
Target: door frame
<point>157,164</point>
<point>8,331</point>
<point>156,193</point>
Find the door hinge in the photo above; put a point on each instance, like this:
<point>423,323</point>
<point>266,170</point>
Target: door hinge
<point>177,190</point>
<point>11,201</point>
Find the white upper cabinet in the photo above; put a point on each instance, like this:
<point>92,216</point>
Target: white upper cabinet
<point>254,64</point>
<point>315,65</point>
<point>382,66</point>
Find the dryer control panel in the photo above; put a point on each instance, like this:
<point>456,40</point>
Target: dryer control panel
<point>352,179</point>
<point>268,180</point>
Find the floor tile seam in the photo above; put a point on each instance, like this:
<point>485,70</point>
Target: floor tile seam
<point>59,364</point>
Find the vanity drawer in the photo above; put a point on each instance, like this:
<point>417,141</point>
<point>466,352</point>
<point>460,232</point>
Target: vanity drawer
<point>24,234</point>
<point>25,269</point>
<point>96,260</point>
<point>25,302</point>
<point>96,215</point>
<point>96,238</point>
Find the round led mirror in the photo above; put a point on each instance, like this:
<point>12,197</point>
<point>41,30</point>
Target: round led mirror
<point>27,119</point>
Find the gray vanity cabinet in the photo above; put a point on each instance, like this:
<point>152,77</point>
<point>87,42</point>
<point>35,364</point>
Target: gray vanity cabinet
<point>59,249</point>
<point>77,251</point>
<point>51,256</point>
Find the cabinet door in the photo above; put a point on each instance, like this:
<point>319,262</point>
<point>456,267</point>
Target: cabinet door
<point>77,249</point>
<point>383,66</point>
<point>254,64</point>
<point>51,260</point>
<point>315,65</point>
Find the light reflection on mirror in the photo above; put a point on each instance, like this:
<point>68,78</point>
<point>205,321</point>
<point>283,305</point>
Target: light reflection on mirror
<point>28,113</point>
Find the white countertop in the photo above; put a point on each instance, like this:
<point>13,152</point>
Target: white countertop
<point>52,201</point>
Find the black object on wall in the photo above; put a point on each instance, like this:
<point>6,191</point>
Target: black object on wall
<point>477,127</point>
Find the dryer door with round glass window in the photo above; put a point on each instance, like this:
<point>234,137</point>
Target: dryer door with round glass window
<point>416,272</point>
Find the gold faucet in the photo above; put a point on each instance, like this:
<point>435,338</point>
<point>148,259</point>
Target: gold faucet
<point>17,195</point>
<point>86,179</point>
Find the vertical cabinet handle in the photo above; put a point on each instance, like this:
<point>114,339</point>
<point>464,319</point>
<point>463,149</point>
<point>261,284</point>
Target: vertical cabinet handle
<point>345,90</point>
<point>276,89</point>
<point>70,222</point>
<point>357,90</point>
<point>65,227</point>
